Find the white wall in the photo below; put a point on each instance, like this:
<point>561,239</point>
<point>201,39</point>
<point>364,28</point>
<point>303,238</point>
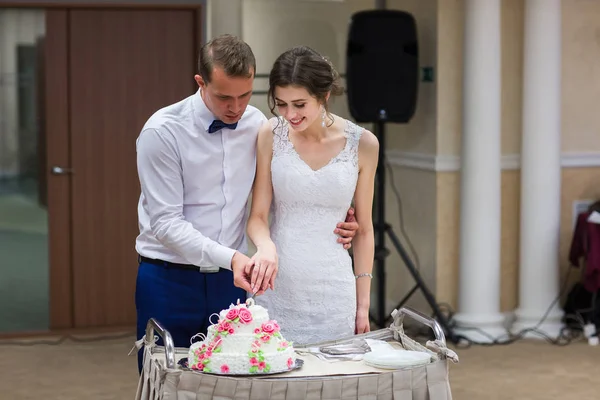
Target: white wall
<point>223,16</point>
<point>271,27</point>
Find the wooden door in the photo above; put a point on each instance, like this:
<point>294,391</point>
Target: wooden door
<point>123,65</point>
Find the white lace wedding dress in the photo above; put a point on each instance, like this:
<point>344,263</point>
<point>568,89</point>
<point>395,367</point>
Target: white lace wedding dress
<point>315,291</point>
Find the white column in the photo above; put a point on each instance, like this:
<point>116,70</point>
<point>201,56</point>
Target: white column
<point>540,168</point>
<point>479,315</point>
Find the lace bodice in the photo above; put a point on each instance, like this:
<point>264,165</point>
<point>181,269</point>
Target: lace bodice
<point>315,296</point>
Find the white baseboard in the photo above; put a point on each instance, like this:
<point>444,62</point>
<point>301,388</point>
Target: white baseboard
<point>580,160</point>
<point>451,163</point>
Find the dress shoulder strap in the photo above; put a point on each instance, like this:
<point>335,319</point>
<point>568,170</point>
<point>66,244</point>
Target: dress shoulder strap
<point>281,143</point>
<point>353,134</point>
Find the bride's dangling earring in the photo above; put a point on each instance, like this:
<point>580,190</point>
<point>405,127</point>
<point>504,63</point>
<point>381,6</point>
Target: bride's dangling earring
<point>323,116</point>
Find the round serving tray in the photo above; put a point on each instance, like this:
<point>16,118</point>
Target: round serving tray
<point>183,364</point>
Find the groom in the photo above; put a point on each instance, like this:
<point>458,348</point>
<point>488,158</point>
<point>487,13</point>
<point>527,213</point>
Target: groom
<point>196,164</point>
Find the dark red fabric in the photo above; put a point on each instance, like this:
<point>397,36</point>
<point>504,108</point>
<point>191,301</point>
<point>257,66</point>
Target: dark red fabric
<point>586,244</point>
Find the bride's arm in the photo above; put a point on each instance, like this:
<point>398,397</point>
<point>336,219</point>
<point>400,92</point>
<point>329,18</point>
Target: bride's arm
<point>364,241</point>
<point>265,259</point>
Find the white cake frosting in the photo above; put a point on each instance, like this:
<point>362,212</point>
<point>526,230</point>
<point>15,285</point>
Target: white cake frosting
<point>243,341</point>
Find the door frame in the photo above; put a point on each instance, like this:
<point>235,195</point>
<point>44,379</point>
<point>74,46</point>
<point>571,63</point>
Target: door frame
<point>56,117</point>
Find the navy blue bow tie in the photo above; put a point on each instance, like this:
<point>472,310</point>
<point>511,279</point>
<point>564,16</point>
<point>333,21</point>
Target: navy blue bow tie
<point>217,125</point>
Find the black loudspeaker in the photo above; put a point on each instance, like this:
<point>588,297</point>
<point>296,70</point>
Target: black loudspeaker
<point>382,71</point>
<point>382,66</point>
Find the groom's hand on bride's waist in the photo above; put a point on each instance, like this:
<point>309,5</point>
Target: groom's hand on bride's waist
<point>347,229</point>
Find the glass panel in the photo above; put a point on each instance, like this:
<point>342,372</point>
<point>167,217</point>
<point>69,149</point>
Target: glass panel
<point>23,214</point>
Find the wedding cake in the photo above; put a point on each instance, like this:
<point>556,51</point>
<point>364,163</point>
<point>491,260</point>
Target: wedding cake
<point>243,341</point>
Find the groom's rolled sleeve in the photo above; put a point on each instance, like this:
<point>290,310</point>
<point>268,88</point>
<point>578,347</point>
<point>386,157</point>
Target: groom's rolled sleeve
<point>161,181</point>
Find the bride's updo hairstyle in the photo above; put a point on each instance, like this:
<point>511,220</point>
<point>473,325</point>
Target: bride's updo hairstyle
<point>304,67</point>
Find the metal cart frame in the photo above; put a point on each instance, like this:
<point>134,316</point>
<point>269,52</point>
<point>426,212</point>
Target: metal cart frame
<point>161,378</point>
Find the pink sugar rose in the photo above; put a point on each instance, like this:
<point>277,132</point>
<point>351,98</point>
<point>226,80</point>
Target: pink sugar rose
<point>245,316</point>
<point>261,365</point>
<point>265,338</point>
<point>257,330</point>
<point>269,327</point>
<point>225,326</point>
<point>209,353</point>
<point>231,331</point>
<point>290,362</point>
<point>253,361</point>
<point>224,369</point>
<point>284,344</point>
<point>232,314</point>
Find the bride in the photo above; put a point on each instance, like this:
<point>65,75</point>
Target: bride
<point>311,166</point>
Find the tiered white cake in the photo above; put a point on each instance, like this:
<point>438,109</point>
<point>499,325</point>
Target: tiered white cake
<point>243,341</point>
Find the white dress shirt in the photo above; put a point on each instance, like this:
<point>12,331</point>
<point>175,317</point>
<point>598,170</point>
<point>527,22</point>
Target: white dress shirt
<point>195,185</point>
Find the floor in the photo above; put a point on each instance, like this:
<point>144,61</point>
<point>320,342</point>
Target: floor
<point>527,370</point>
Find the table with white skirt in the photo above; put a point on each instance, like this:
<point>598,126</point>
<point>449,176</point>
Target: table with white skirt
<point>322,375</point>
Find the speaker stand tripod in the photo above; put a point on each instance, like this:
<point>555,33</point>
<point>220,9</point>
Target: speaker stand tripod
<point>381,252</point>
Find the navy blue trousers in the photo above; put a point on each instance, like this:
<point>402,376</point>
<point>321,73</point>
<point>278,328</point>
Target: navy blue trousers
<point>181,300</point>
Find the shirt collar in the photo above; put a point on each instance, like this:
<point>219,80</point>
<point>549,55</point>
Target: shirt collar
<point>202,113</point>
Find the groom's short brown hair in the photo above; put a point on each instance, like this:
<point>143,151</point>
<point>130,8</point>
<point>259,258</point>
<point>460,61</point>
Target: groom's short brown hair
<point>228,52</point>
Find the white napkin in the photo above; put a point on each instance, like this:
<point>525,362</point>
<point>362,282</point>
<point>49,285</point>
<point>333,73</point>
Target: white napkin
<point>379,345</point>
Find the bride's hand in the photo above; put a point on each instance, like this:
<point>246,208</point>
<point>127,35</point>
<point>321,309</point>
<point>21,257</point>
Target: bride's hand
<point>362,321</point>
<point>263,267</point>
